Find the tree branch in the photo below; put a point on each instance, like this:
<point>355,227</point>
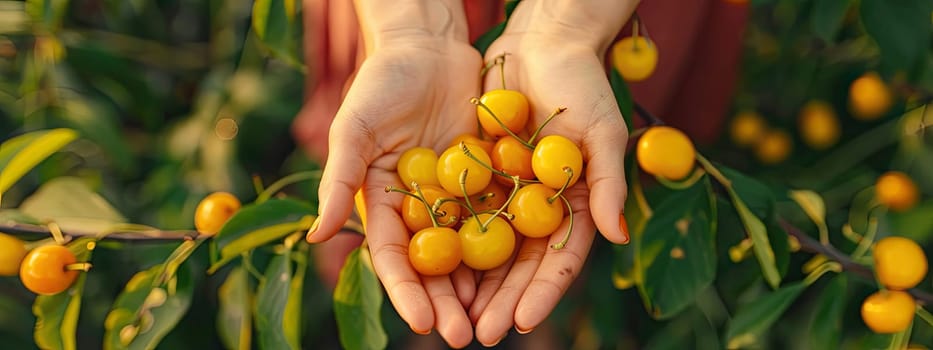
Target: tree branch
<point>647,116</point>
<point>155,235</point>
<point>811,245</point>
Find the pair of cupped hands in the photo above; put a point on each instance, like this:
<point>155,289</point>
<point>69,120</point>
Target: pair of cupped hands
<point>414,89</point>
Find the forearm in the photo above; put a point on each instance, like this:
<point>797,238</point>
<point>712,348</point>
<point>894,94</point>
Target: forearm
<point>404,22</point>
<point>593,23</point>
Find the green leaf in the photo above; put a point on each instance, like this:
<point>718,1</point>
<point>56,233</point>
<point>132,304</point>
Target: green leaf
<point>826,18</point>
<point>292,318</point>
<point>57,315</point>
<point>677,251</point>
<point>706,334</point>
<point>674,336</point>
<point>761,242</point>
<point>14,216</point>
<point>271,301</point>
<point>99,125</point>
<point>484,41</point>
<point>20,154</point>
<point>626,269</point>
<point>760,199</point>
<point>825,330</point>
<point>274,24</point>
<point>146,310</point>
<point>256,225</point>
<point>914,224</point>
<point>780,245</point>
<point>510,6</point>
<point>69,202</point>
<point>757,197</point>
<point>11,319</point>
<point>812,205</point>
<point>256,216</point>
<point>234,317</point>
<point>753,319</point>
<point>623,97</point>
<point>901,28</point>
<point>178,257</point>
<point>357,304</point>
<point>47,12</point>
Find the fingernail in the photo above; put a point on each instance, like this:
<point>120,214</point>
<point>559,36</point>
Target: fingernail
<point>313,229</point>
<point>623,226</point>
<point>494,343</point>
<point>520,331</point>
<point>421,332</point>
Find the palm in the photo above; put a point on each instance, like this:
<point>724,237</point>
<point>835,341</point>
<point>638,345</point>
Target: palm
<point>524,292</point>
<point>403,98</point>
<point>413,97</point>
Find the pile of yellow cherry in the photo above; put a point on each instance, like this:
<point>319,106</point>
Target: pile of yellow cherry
<point>466,204</point>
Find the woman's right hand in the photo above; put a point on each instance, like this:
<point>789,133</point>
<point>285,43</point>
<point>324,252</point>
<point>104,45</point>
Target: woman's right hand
<point>413,89</point>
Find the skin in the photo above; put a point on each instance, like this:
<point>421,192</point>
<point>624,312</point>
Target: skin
<point>418,50</point>
<point>522,293</point>
<point>426,60</point>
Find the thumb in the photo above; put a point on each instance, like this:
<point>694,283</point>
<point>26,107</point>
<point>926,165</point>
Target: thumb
<point>605,177</point>
<point>350,152</point>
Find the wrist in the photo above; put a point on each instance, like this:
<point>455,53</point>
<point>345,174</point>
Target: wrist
<point>592,23</point>
<point>409,22</point>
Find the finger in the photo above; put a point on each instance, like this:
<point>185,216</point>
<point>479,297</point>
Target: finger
<point>464,281</point>
<point>450,319</point>
<point>499,316</point>
<point>351,143</point>
<point>388,243</point>
<point>604,149</point>
<point>490,281</point>
<point>558,268</point>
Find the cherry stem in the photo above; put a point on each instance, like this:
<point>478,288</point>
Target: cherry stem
<point>419,196</point>
<point>466,196</point>
<point>504,214</point>
<point>436,209</point>
<point>427,206</point>
<point>635,28</point>
<point>828,266</point>
<point>450,221</point>
<point>482,105</point>
<point>644,29</point>
<point>81,266</point>
<point>501,209</point>
<point>257,184</point>
<point>569,171</point>
<point>553,114</point>
<point>56,233</point>
<point>868,238</point>
<point>563,242</point>
<point>466,151</point>
<point>501,60</point>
